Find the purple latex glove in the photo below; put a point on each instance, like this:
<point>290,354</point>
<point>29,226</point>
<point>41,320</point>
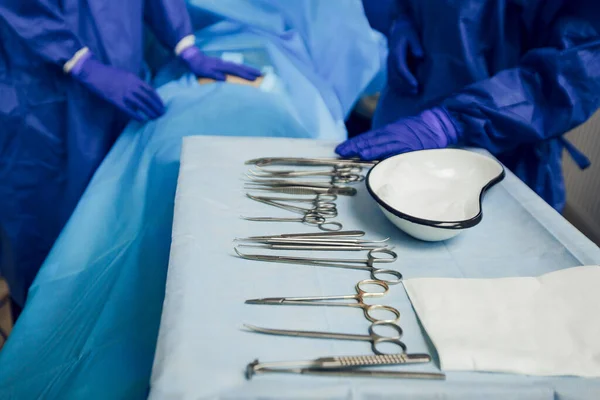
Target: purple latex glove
<point>123,89</point>
<point>404,49</point>
<point>211,67</point>
<point>432,129</point>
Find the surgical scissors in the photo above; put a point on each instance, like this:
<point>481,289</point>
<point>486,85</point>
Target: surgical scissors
<point>327,301</point>
<point>359,264</point>
<point>372,337</point>
<point>308,219</point>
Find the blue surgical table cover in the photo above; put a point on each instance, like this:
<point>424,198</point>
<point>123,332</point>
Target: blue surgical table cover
<point>203,349</point>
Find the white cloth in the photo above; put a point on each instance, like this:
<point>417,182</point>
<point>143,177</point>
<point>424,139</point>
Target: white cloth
<point>549,325</point>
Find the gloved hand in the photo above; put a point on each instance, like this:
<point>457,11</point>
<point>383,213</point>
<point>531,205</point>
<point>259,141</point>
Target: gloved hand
<point>121,88</point>
<point>211,67</point>
<point>404,48</point>
<point>432,129</point>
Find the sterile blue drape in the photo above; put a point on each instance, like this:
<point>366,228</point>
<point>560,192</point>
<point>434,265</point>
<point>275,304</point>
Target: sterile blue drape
<point>55,133</point>
<point>89,327</point>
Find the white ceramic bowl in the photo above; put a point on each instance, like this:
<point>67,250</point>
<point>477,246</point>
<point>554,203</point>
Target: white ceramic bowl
<point>433,195</point>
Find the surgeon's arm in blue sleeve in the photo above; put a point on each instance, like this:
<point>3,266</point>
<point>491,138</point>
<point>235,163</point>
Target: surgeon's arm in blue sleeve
<point>553,90</point>
<point>169,21</point>
<point>41,26</point>
<point>381,14</point>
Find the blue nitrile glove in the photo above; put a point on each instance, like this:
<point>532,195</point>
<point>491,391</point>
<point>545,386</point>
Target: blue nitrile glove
<point>431,129</point>
<point>121,88</point>
<point>211,67</point>
<point>404,47</point>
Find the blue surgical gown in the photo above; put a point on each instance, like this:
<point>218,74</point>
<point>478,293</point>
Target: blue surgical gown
<point>53,132</point>
<point>516,74</point>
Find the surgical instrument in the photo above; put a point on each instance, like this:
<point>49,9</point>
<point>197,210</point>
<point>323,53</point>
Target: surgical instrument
<point>358,264</point>
<point>354,233</point>
<point>332,178</point>
<point>348,366</point>
<point>308,219</point>
<point>372,337</point>
<point>299,161</point>
<point>324,209</point>
<point>318,241</point>
<point>265,181</point>
<point>336,171</point>
<point>313,243</point>
<point>325,198</point>
<point>328,301</point>
<point>302,190</point>
<point>315,240</point>
<point>314,246</point>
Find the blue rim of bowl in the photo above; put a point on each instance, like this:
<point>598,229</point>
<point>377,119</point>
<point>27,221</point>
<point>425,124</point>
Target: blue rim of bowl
<point>463,224</point>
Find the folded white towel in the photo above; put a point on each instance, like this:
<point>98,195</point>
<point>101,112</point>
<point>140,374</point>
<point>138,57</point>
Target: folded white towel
<point>549,325</point>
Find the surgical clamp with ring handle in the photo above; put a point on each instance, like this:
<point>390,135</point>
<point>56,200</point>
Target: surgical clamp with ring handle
<point>372,337</point>
<point>308,219</point>
<point>323,208</point>
<point>326,301</point>
<point>348,366</point>
<point>359,264</point>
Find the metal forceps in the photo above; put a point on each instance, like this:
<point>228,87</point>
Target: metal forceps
<point>361,294</point>
<point>302,190</point>
<point>373,257</point>
<point>335,175</point>
<point>318,198</point>
<point>349,366</point>
<point>323,235</point>
<point>337,171</point>
<point>311,219</point>
<point>322,184</point>
<point>325,209</point>
<point>372,337</point>
<point>299,161</point>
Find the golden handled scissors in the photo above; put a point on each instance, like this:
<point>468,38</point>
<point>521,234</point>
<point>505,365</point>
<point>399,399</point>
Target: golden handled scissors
<point>362,292</point>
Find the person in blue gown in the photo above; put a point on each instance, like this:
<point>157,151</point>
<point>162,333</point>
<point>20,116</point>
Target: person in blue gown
<point>71,76</point>
<point>510,76</point>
